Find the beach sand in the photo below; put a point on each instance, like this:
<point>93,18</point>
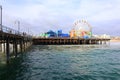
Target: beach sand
<point>113,40</point>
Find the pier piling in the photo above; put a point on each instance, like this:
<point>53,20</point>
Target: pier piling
<point>7,50</point>
<point>67,41</point>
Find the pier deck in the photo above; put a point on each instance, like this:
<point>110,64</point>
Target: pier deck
<point>68,41</point>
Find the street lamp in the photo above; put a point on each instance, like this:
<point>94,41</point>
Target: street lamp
<point>18,25</point>
<point>1,18</point>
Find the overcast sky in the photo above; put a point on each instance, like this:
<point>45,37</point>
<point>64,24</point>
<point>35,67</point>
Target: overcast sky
<point>43,15</point>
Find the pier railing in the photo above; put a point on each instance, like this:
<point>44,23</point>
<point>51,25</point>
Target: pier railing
<point>13,31</point>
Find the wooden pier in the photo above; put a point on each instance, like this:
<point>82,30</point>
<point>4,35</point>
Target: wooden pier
<point>19,41</point>
<point>68,41</point>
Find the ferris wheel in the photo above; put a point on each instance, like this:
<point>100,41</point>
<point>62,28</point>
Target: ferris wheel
<point>82,28</point>
<point>82,25</point>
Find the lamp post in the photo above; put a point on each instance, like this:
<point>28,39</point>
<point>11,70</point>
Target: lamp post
<point>18,25</point>
<point>1,18</point>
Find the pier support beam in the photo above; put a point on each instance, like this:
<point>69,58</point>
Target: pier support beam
<point>16,48</point>
<point>109,42</point>
<point>13,48</point>
<point>24,45</point>
<point>0,47</point>
<point>89,41</point>
<point>4,46</point>
<point>100,41</point>
<point>104,41</point>
<point>84,42</point>
<point>21,47</point>
<point>7,50</point>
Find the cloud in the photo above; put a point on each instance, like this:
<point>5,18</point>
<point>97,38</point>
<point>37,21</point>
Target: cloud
<point>43,15</point>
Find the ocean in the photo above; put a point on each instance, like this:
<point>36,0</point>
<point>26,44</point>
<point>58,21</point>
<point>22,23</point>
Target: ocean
<point>65,62</point>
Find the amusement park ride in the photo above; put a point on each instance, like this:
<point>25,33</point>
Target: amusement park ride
<point>81,29</point>
<point>81,34</point>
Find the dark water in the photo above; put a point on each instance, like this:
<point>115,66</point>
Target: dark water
<point>65,63</point>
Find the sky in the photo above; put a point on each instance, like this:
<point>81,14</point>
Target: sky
<point>37,16</point>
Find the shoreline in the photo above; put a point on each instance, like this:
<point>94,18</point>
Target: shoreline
<point>113,40</point>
